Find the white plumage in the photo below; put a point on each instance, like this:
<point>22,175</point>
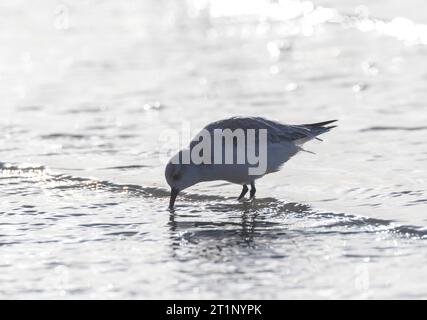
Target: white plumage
<point>283,142</point>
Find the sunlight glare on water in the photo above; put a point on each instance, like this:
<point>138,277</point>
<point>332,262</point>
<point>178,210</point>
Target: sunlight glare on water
<point>88,88</point>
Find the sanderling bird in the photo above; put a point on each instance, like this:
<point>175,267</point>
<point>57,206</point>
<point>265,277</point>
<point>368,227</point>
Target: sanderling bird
<point>258,146</point>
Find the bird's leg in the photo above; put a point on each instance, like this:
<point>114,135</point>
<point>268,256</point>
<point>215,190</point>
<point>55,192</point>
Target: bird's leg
<point>253,190</point>
<point>244,191</point>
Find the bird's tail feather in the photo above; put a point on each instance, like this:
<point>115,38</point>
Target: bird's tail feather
<point>316,129</point>
<point>320,124</point>
<point>319,127</point>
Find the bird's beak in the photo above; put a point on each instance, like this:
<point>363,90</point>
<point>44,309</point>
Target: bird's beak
<point>174,193</point>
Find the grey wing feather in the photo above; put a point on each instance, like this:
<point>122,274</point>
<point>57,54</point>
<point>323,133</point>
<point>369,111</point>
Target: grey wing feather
<point>286,138</point>
<point>276,131</point>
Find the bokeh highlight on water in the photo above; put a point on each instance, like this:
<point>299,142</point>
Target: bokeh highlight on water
<point>88,88</point>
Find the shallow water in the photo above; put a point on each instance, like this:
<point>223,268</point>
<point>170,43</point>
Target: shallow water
<point>87,89</point>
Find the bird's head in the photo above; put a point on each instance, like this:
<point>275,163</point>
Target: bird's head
<point>179,177</point>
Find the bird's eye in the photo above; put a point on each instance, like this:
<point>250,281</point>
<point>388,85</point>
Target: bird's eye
<point>176,176</point>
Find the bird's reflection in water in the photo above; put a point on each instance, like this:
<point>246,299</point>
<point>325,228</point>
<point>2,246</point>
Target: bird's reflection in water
<point>218,228</point>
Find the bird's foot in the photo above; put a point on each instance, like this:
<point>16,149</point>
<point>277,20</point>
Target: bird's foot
<point>253,191</point>
<point>243,193</point>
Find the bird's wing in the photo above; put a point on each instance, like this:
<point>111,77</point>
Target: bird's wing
<point>276,132</point>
